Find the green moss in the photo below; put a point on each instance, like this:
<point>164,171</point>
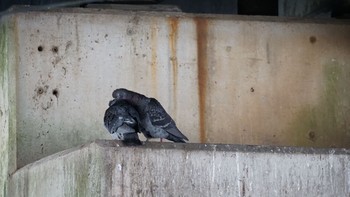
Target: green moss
<point>76,175</point>
<point>326,124</point>
<point>4,148</point>
<point>7,104</point>
<point>82,181</point>
<point>3,52</point>
<point>88,172</point>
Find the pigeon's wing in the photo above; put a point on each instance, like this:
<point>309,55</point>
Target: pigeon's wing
<point>160,118</point>
<point>133,113</point>
<point>175,139</point>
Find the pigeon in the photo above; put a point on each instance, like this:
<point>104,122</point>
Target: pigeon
<point>121,120</point>
<point>155,122</point>
<point>127,135</point>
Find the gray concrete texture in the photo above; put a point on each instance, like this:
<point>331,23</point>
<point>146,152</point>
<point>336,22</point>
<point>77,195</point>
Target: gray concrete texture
<point>8,116</point>
<point>224,79</point>
<point>106,168</point>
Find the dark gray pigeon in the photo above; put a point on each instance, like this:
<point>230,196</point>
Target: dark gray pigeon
<point>155,122</point>
<point>121,120</point>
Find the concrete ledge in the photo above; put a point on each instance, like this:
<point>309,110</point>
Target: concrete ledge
<point>106,168</point>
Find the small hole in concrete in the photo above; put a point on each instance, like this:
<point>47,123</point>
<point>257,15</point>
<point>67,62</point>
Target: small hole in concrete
<point>55,92</point>
<point>312,39</point>
<point>312,135</point>
<point>40,90</point>
<point>54,49</point>
<point>130,31</point>
<point>40,48</point>
<point>252,89</point>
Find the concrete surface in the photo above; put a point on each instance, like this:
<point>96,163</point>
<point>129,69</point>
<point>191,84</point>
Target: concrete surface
<point>106,168</point>
<point>224,79</point>
<point>7,103</point>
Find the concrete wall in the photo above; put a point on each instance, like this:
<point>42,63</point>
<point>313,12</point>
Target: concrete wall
<point>224,79</point>
<point>7,102</point>
<point>103,168</point>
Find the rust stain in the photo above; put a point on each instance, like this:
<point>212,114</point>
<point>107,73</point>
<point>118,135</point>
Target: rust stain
<point>202,40</point>
<point>173,34</point>
<point>154,46</point>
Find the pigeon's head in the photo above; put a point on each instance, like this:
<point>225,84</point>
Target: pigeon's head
<point>121,93</point>
<point>133,98</point>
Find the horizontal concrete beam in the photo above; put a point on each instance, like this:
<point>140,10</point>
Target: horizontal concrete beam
<point>106,168</point>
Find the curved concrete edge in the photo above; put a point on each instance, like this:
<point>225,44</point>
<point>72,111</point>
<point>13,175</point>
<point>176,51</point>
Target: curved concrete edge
<point>73,172</point>
<point>106,168</point>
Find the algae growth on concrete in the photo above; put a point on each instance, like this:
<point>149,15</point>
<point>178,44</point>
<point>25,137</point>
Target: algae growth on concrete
<point>327,123</point>
<point>4,118</point>
<point>7,101</point>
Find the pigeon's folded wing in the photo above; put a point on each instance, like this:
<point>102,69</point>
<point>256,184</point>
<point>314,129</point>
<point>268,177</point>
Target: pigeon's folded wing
<point>160,118</point>
<point>134,114</point>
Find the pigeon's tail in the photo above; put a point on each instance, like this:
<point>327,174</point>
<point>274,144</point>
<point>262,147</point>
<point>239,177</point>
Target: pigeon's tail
<point>176,133</point>
<point>175,139</point>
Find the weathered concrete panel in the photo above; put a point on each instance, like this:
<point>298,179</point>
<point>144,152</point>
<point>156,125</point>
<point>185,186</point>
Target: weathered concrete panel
<point>7,102</point>
<point>103,168</point>
<point>224,79</point>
